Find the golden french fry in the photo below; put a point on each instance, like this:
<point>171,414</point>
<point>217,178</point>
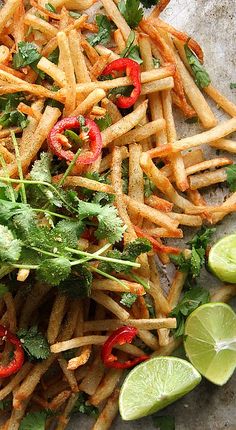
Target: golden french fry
<point>40,24</point>
<point>109,412</point>
<point>140,133</point>
<point>7,11</point>
<point>225,144</point>
<point>112,10</point>
<point>207,178</point>
<point>110,304</point>
<point>208,164</point>
<point>141,324</point>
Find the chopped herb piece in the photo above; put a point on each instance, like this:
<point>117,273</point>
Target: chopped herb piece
<point>232,85</point>
<point>104,31</point>
<point>201,76</point>
<point>41,168</point>
<point>34,421</point>
<point>54,270</point>
<point>74,14</point>
<point>131,50</point>
<point>54,57</point>
<point>131,11</point>
<point>164,422</point>
<point>192,120</point>
<point>128,299</point>
<point>78,284</point>
<point>27,54</point>
<point>34,343</point>
<point>84,407</point>
<point>149,186</point>
<point>50,7</point>
<point>73,137</point>
<point>103,122</point>
<point>191,300</point>
<point>12,118</point>
<point>10,248</point>
<point>3,290</point>
<point>231,177</point>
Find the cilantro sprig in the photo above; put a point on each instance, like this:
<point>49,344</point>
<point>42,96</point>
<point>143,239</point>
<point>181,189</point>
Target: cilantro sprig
<point>200,74</point>
<point>104,31</point>
<point>231,177</point>
<point>34,343</point>
<point>131,11</point>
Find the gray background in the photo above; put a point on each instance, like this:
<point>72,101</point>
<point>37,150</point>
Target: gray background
<point>213,24</point>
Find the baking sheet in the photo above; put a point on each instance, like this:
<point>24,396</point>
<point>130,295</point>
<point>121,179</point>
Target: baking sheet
<point>213,24</point>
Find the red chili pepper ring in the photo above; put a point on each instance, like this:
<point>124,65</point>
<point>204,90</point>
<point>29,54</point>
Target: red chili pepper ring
<point>95,140</point>
<point>18,357</point>
<point>132,70</point>
<point>120,336</point>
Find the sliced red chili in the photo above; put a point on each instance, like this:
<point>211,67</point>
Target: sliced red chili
<point>55,140</point>
<point>159,247</point>
<point>120,336</point>
<point>18,354</point>
<point>132,70</point>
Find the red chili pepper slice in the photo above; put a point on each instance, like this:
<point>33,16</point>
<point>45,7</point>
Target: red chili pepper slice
<point>132,70</point>
<point>55,140</point>
<point>120,336</point>
<point>159,247</point>
<point>18,357</point>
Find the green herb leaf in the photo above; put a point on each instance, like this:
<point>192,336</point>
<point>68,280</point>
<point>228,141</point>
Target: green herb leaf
<point>103,122</point>
<point>110,226</point>
<point>34,421</point>
<point>128,299</point>
<point>202,238</point>
<point>9,102</point>
<point>10,248</point>
<point>82,406</point>
<point>131,11</point>
<point>231,177</point>
<point>34,343</point>
<point>13,118</point>
<point>5,405</point>
<point>50,7</point>
<point>131,50</point>
<point>191,300</point>
<point>164,422</point>
<point>54,270</point>
<point>232,85</point>
<point>41,168</point>
<point>78,284</point>
<point>201,76</point>
<point>3,290</point>
<point>27,54</point>
<point>149,186</point>
<point>74,14</point>
<point>104,31</point>
<point>149,3</point>
<point>54,57</point>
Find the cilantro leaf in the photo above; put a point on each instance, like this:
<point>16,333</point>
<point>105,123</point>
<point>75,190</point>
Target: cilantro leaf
<point>74,14</point>
<point>41,168</point>
<point>103,122</point>
<point>27,55</point>
<point>78,284</point>
<point>104,31</point>
<point>232,85</point>
<point>191,300</point>
<point>164,422</point>
<point>131,50</point>
<point>231,177</point>
<point>201,76</point>
<point>34,421</point>
<point>149,186</point>
<point>54,270</point>
<point>34,343</point>
<point>128,299</point>
<point>54,56</point>
<point>84,407</point>
<point>149,3</point>
<point>10,209</point>
<point>50,7</point>
<point>10,102</point>
<point>13,118</point>
<point>5,405</point>
<point>10,248</point>
<point>202,238</point>
<point>3,290</point>
<point>110,226</point>
<point>70,230</point>
<point>131,11</point>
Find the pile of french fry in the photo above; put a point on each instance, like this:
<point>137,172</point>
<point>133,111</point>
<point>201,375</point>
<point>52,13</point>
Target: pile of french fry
<point>146,134</point>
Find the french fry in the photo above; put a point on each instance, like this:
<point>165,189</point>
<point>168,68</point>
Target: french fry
<point>80,181</point>
<point>110,285</point>
<point>225,144</point>
<point>176,288</point>
<point>222,101</point>
<point>80,360</point>
<point>106,161</point>
<point>158,203</point>
<point>94,375</point>
<point>167,349</point>
<point>162,183</point>
<point>112,10</point>
<point>16,380</point>
<point>223,129</point>
<point>52,70</point>
<point>141,324</point>
<point>68,68</point>
<point>119,40</point>
<point>40,24</point>
<point>160,302</point>
<point>138,134</point>
<point>224,293</point>
<point>189,220</point>
<point>65,416</point>
<point>56,317</point>
<point>7,155</point>
<point>69,325</point>
<point>216,217</point>
<point>106,387</point>
<point>81,71</point>
<point>208,178</point>
<point>89,102</point>
<point>99,66</point>
<point>69,375</point>
<point>208,164</point>
<point>110,304</point>
<point>161,5</point>
<point>149,339</point>
<point>77,342</point>
<point>102,50</point>
<point>109,412</point>
<point>11,311</point>
<point>34,298</point>
<point>136,183</point>
<point>162,232</point>
<point>158,85</point>
<point>7,11</point>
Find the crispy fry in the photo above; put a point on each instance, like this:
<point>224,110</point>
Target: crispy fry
<point>109,412</point>
<point>140,133</point>
<point>106,387</point>
<point>81,71</point>
<point>207,178</point>
<point>146,324</point>
<point>7,11</point>
<point>110,285</point>
<point>158,203</point>
<point>225,144</point>
<point>68,68</point>
<point>110,304</point>
<point>56,317</point>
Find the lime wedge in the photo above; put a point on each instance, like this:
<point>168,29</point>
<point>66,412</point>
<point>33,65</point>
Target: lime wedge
<point>222,259</point>
<point>210,341</point>
<point>155,384</point>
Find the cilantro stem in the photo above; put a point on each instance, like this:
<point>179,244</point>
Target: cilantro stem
<point>108,276</point>
<point>69,168</point>
<point>103,258</point>
<point>31,182</point>
<point>52,213</point>
<point>11,190</point>
<point>19,167</point>
<point>25,266</point>
<point>140,281</point>
<point>98,252</point>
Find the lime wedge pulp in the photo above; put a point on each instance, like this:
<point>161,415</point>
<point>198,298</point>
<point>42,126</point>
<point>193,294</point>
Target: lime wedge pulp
<point>210,341</point>
<point>222,259</point>
<point>154,384</point>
